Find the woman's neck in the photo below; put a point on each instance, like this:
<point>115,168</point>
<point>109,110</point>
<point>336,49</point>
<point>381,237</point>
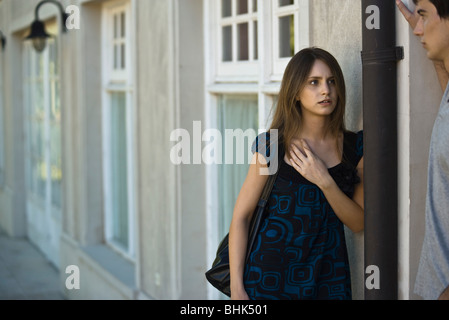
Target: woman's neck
<point>315,129</point>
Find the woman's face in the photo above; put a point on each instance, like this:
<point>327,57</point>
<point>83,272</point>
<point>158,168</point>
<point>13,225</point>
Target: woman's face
<point>319,95</point>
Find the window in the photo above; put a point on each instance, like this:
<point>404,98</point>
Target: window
<point>290,32</point>
<point>117,128</point>
<point>237,31</point>
<point>234,112</point>
<point>118,45</point>
<point>43,124</point>
<point>248,41</point>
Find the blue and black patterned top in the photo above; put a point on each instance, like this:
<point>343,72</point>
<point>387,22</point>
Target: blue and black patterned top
<point>300,250</point>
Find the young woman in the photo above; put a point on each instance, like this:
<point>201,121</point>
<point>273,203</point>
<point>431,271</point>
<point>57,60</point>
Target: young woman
<point>300,250</point>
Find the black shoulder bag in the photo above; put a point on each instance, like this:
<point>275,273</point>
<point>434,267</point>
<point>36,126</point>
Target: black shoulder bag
<point>219,274</point>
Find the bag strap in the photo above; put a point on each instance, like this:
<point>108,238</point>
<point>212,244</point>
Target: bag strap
<point>267,190</point>
<point>260,209</point>
<point>271,180</point>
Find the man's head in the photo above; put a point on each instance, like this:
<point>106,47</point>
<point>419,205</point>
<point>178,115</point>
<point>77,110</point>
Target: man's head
<point>442,7</point>
<point>433,28</point>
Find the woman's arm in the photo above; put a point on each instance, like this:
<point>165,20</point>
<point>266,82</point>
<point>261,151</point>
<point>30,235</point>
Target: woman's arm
<point>349,211</point>
<point>238,233</point>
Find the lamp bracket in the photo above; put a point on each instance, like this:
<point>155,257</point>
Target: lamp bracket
<point>64,15</point>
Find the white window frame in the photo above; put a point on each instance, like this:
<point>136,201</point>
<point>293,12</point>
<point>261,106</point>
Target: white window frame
<point>300,11</point>
<point>228,69</point>
<point>120,81</point>
<point>268,62</point>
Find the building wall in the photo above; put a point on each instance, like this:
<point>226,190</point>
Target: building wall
<point>14,224</point>
<point>104,273</point>
<point>170,207</point>
<point>192,179</point>
<point>170,225</point>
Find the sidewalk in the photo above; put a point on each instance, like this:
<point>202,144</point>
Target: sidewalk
<point>25,274</point>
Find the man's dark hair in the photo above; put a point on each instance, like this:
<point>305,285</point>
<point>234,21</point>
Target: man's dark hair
<point>441,5</point>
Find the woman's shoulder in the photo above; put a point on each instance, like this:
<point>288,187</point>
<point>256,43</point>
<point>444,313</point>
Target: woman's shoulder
<point>354,138</point>
<point>261,142</point>
<point>355,134</point>
<point>353,145</point>
<point>267,144</point>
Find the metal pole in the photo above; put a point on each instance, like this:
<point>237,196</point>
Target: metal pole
<point>379,61</point>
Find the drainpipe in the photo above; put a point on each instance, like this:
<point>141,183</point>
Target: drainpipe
<point>379,60</point>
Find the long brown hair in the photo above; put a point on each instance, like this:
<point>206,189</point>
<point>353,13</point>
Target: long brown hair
<point>287,118</point>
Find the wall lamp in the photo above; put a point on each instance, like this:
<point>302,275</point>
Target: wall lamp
<point>38,35</point>
<point>2,40</point>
